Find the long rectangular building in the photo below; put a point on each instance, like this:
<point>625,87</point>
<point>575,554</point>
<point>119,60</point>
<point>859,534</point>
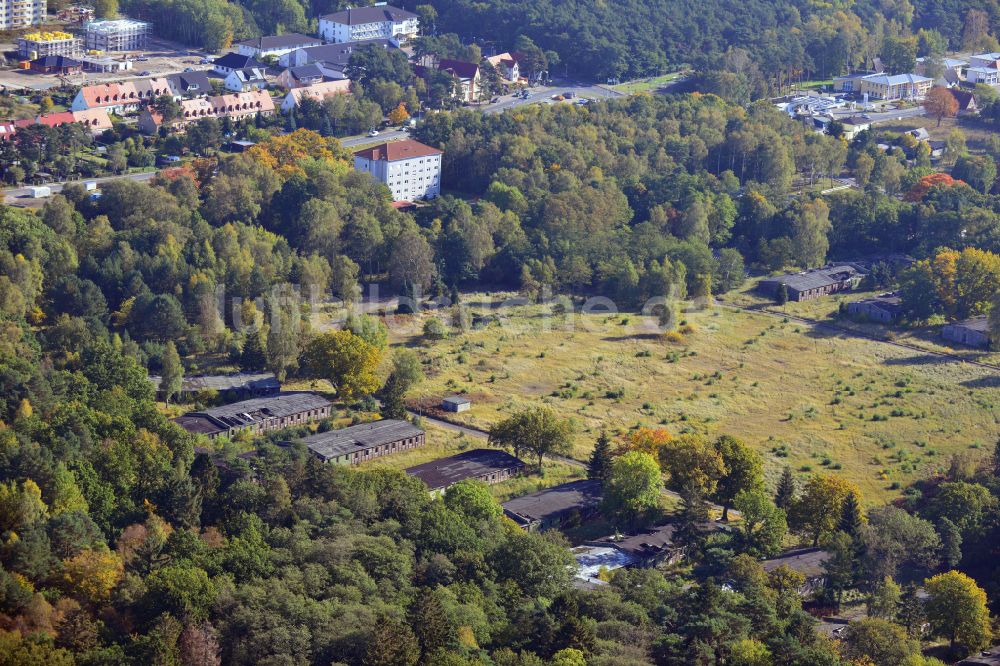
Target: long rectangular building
<point>257,416</point>
<point>557,506</point>
<point>486,465</point>
<point>365,441</point>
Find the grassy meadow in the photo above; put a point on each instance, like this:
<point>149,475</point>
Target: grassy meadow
<point>809,398</point>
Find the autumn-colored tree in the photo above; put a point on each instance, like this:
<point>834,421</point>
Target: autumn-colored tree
<point>646,440</point>
<point>692,464</point>
<point>399,115</point>
<point>956,609</point>
<point>924,185</point>
<point>346,361</point>
<point>940,103</point>
<point>285,153</point>
<point>92,574</point>
<point>818,510</point>
<point>20,504</point>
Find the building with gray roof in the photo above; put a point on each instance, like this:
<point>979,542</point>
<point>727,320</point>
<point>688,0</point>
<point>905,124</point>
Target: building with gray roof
<point>973,332</point>
<point>365,441</point>
<point>883,308</point>
<point>814,283</point>
<point>258,415</point>
<point>486,465</point>
<point>559,506</point>
<point>239,386</point>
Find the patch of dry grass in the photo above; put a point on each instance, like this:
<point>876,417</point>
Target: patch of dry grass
<point>808,398</point>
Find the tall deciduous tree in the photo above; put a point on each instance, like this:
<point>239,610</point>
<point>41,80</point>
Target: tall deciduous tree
<point>940,103</point>
<point>172,377</point>
<point>538,431</point>
<point>345,360</point>
<point>818,510</point>
<point>744,471</point>
<point>956,609</point>
<point>633,485</point>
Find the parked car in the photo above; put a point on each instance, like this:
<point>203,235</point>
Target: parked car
<point>373,132</point>
<point>145,73</point>
<point>142,59</point>
<point>569,95</point>
<point>494,100</point>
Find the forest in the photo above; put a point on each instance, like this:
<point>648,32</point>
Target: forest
<point>121,542</point>
<point>746,48</point>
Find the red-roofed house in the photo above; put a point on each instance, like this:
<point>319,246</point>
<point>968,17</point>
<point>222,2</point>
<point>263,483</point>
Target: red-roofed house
<point>236,106</point>
<point>95,120</point>
<point>468,75</point>
<point>317,92</point>
<point>506,66</point>
<point>119,97</point>
<point>411,170</point>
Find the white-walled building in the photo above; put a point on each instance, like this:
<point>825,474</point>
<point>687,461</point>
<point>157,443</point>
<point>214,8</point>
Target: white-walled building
<point>986,75</point>
<point>410,169</point>
<point>356,24</point>
<point>245,80</point>
<point>113,35</point>
<point>275,45</point>
<point>21,13</point>
<point>984,60</point>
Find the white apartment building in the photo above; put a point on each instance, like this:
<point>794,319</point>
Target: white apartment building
<point>356,24</point>
<point>21,13</point>
<point>43,44</point>
<point>987,75</point>
<point>115,35</point>
<point>410,169</point>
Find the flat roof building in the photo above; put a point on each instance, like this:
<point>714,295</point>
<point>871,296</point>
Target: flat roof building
<point>36,45</point>
<point>365,441</point>
<point>565,504</point>
<point>113,35</point>
<point>258,415</point>
<point>487,465</point>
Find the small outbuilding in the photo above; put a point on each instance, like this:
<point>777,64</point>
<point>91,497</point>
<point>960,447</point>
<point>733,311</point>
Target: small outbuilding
<point>456,403</point>
<point>973,332</point>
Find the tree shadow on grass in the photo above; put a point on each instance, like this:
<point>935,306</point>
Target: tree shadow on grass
<point>991,381</point>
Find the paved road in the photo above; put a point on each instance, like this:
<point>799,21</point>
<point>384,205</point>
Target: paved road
<point>22,193</point>
<point>543,95</point>
<point>388,135</point>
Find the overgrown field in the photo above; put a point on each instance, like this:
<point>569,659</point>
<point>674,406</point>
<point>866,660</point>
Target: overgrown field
<point>818,401</point>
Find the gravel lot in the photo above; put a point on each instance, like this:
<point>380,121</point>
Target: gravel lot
<point>163,58</point>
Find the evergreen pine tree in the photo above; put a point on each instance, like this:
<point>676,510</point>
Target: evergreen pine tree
<point>290,123</point>
<point>851,516</point>
<point>782,296</point>
<point>951,543</point>
<point>393,406</point>
<point>694,513</point>
<point>785,494</point>
<point>434,631</point>
<point>911,611</point>
<point>600,459</point>
<point>326,129</point>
